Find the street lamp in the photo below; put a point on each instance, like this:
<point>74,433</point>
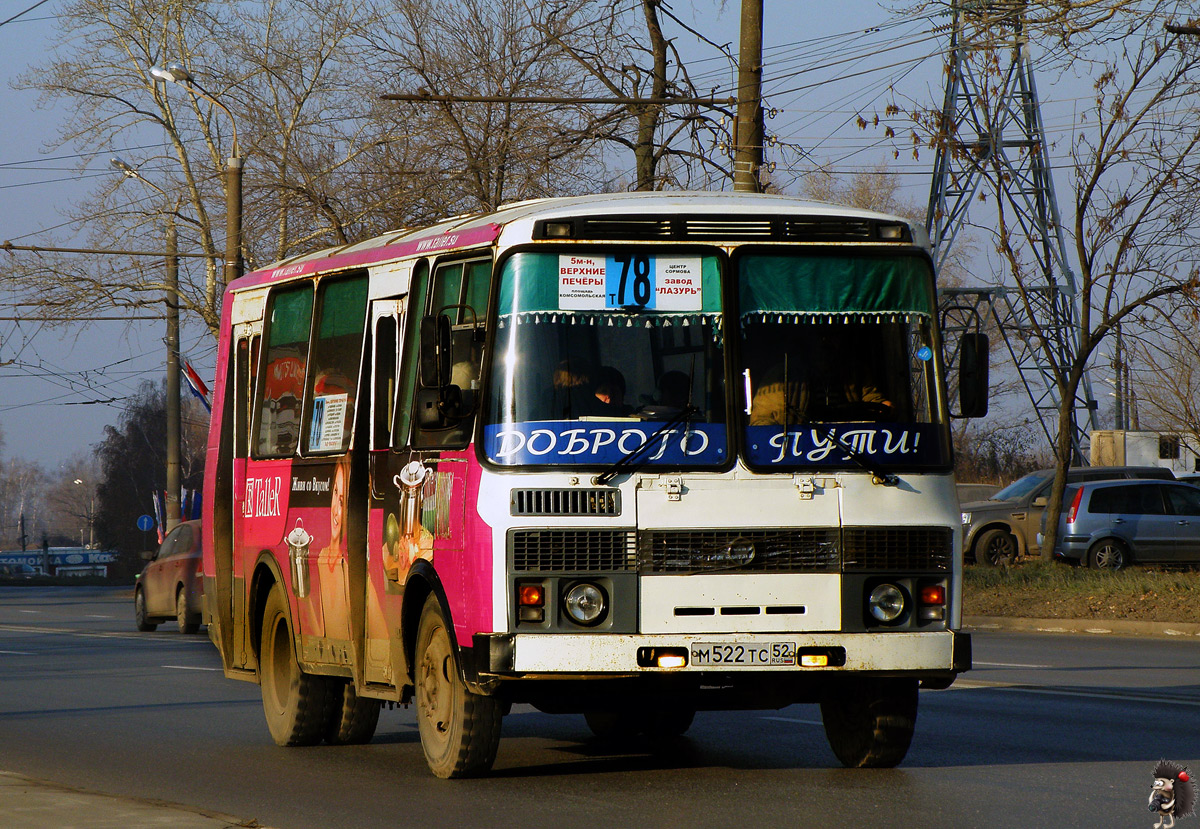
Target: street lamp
<point>91,527</point>
<point>174,429</point>
<point>177,73</point>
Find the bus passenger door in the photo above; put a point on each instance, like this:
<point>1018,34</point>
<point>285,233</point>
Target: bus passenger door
<point>383,587</point>
<point>245,373</point>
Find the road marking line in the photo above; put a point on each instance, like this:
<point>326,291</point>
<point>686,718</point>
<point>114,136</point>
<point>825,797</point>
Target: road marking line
<point>19,653</point>
<point>97,616</point>
<point>793,719</point>
<point>1009,665</point>
<point>1156,699</point>
<point>189,668</point>
<point>29,611</point>
<point>140,637</point>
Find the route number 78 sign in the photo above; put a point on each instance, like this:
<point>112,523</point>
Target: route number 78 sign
<point>629,281</point>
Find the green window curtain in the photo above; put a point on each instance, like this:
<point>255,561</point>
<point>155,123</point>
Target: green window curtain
<point>834,284</point>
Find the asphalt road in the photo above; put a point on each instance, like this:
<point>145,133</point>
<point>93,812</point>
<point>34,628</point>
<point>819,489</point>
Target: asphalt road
<point>1048,731</point>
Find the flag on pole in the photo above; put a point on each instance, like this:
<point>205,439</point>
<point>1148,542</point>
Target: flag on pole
<point>196,384</point>
<point>159,498</point>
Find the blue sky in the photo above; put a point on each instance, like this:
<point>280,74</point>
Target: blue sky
<point>825,64</point>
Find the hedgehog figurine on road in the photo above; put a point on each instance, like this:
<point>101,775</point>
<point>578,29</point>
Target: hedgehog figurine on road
<point>1172,795</point>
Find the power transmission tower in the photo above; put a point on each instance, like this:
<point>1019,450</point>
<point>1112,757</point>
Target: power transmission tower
<point>991,131</point>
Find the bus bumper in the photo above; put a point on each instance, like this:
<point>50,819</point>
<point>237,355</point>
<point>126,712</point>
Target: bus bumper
<point>934,652</point>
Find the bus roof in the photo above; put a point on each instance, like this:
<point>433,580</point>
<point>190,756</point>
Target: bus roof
<point>516,221</point>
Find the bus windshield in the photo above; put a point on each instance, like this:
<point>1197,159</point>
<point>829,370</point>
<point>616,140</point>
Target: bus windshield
<point>837,347</point>
<point>597,350</point>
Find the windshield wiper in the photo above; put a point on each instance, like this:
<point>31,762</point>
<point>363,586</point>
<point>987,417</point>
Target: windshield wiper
<point>879,476</point>
<point>631,462</point>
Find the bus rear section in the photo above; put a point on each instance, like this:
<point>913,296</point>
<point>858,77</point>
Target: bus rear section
<point>627,479</point>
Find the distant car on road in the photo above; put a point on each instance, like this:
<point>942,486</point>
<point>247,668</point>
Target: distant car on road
<point>170,585</point>
<point>1109,524</point>
<point>18,572</point>
<point>1004,527</point>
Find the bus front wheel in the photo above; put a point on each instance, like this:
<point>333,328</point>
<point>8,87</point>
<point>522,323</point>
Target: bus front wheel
<point>460,730</point>
<point>869,722</point>
<point>296,704</point>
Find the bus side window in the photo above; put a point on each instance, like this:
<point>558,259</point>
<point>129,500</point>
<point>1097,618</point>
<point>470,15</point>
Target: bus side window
<point>409,364</point>
<point>246,371</point>
<point>336,358</point>
<point>460,289</point>
<point>281,389</point>
<point>386,345</point>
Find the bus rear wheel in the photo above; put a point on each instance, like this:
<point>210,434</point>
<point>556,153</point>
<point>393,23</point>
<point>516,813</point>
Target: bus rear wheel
<point>869,722</point>
<point>460,730</point>
<point>296,703</point>
<point>352,719</point>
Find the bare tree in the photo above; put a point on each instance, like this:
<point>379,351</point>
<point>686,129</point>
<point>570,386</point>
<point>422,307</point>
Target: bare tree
<point>22,504</point>
<point>1167,370</point>
<point>71,500</point>
<point>1136,190</point>
<point>626,54</point>
<point>280,71</point>
<point>469,155</point>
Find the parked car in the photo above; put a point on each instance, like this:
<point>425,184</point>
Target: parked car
<point>170,585</point>
<point>1004,527</point>
<point>1109,524</point>
<point>18,572</point>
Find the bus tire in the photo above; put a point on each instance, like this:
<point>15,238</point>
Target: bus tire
<point>296,703</point>
<point>139,612</point>
<point>612,725</point>
<point>869,722</point>
<point>186,623</point>
<point>352,719</point>
<point>460,730</point>
<point>661,723</point>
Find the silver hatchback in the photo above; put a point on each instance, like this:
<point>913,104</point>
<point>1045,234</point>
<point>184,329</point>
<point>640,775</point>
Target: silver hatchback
<point>1109,524</point>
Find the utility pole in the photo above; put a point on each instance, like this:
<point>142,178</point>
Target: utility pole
<point>173,414</point>
<point>748,130</point>
<point>991,132</point>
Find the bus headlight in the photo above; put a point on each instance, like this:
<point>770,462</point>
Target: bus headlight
<point>585,603</point>
<point>886,603</point>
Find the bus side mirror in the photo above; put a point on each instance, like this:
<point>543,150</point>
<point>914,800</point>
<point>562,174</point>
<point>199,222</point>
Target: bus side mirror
<point>439,407</point>
<point>973,375</point>
<point>435,351</point>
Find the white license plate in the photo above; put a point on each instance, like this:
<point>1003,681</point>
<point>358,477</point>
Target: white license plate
<point>714,654</point>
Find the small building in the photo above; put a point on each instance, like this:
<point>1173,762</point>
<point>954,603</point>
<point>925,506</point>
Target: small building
<point>63,561</point>
<point>1177,451</point>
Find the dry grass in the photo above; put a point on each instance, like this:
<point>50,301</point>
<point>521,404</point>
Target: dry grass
<point>1058,591</point>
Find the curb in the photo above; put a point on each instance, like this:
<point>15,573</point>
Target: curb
<point>30,803</point>
<point>1099,627</point>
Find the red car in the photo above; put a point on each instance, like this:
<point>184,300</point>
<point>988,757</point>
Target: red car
<point>170,586</point>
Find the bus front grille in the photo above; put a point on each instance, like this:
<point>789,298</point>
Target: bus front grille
<point>803,550</point>
<point>698,551</point>
<point>547,551</point>
<point>897,548</point>
<point>564,502</point>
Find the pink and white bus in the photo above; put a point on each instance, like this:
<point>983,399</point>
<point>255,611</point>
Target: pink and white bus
<point>630,456</point>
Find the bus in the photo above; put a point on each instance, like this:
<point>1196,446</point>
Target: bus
<point>630,456</point>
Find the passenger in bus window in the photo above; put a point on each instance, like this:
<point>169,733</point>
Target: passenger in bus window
<point>610,391</point>
<point>574,389</point>
<point>673,390</point>
<point>780,399</point>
